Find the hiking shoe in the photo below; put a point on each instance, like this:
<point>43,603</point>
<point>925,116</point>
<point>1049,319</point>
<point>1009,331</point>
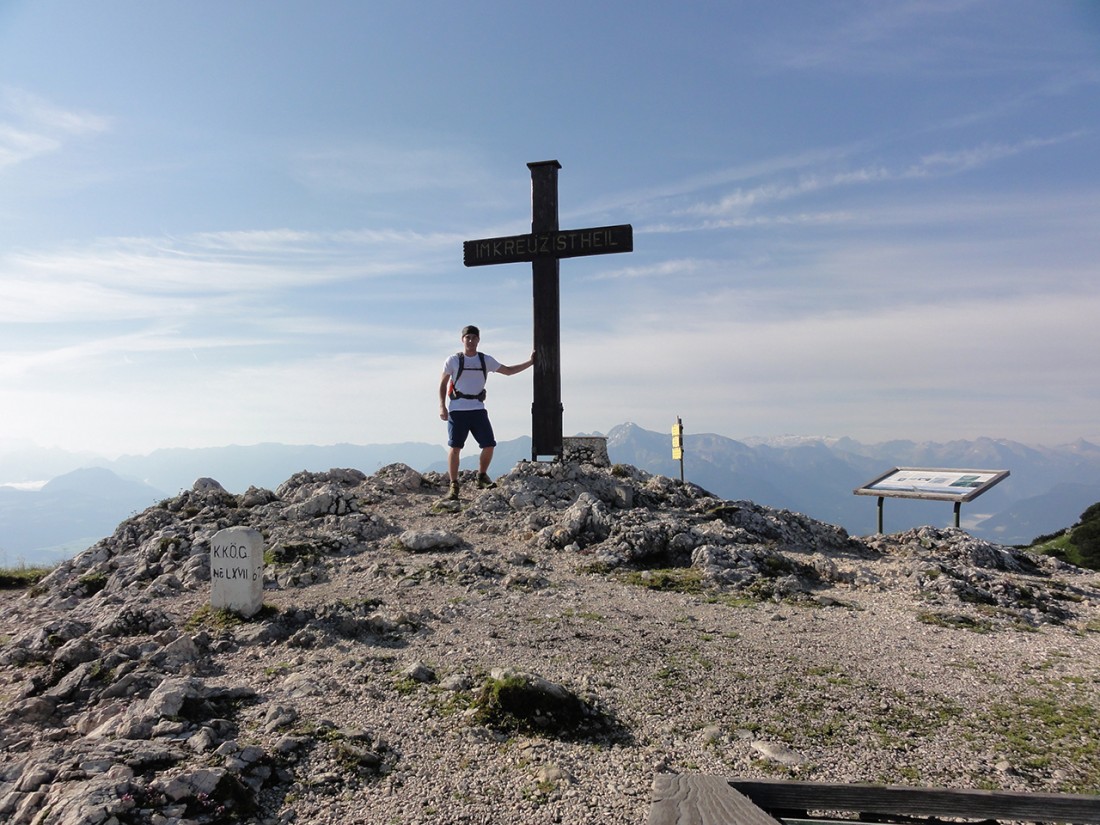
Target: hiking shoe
<point>484,482</point>
<point>452,494</point>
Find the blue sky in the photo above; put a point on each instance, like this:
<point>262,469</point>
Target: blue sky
<point>233,223</point>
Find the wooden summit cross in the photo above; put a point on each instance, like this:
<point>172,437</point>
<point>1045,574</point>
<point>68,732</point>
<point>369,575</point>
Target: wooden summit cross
<point>544,247</point>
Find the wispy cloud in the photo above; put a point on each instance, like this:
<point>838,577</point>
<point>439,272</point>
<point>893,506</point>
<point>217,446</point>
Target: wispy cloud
<point>742,200</point>
<point>292,241</point>
<point>906,36</point>
<point>663,269</point>
<point>655,199</point>
<point>1060,84</point>
<point>963,160</point>
<point>84,354</point>
<point>17,145</point>
<point>31,126</point>
<point>36,110</point>
<point>138,277</point>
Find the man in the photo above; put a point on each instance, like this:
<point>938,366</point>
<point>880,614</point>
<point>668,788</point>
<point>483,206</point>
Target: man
<point>463,383</point>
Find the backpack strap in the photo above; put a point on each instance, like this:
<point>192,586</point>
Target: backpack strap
<point>461,366</point>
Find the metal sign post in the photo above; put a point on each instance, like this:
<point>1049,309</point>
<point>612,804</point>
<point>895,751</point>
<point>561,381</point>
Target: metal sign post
<point>544,247</point>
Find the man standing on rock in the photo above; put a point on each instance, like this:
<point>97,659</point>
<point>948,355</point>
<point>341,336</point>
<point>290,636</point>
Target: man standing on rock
<point>463,383</point>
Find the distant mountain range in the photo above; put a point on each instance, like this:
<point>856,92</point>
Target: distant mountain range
<point>66,514</point>
<point>1048,488</point>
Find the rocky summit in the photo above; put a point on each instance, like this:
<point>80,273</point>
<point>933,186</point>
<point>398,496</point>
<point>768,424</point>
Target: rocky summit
<point>536,653</point>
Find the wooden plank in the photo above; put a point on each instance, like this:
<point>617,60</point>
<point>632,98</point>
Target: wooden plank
<point>698,799</point>
<point>547,427</point>
<point>778,795</point>
<point>549,244</point>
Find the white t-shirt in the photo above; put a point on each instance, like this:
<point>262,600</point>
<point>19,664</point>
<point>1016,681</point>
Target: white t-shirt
<point>472,380</point>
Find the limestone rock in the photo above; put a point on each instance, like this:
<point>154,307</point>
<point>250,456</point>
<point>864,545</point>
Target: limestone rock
<point>420,540</point>
<point>362,682</point>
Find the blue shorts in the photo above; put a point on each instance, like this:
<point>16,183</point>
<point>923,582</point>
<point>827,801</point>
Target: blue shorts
<point>460,423</point>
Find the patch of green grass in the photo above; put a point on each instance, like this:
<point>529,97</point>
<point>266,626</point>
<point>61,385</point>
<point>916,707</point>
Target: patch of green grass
<point>1054,659</point>
<point>1058,546</point>
<point>587,615</point>
<point>910,775</point>
<point>92,582</point>
<point>206,617</point>
<point>405,685</point>
<point>670,674</point>
<point>955,620</point>
<point>209,618</point>
<point>22,577</point>
<point>513,703</point>
<point>674,579</point>
<point>1056,729</point>
<point>736,600</point>
<point>288,553</point>
<point>906,717</point>
<point>1063,592</point>
<point>595,568</point>
<point>832,674</point>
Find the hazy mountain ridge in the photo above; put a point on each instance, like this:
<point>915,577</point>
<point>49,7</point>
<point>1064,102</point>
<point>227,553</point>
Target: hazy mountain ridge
<point>67,514</point>
<point>1047,491</point>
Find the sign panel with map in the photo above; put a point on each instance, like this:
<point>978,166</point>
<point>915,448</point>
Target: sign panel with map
<point>946,485</point>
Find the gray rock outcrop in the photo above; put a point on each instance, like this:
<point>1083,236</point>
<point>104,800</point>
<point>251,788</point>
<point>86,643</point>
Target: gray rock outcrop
<point>125,698</point>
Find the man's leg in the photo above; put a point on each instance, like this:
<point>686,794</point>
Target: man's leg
<point>483,432</point>
<point>457,430</point>
<point>452,471</point>
<point>452,463</point>
<point>485,460</point>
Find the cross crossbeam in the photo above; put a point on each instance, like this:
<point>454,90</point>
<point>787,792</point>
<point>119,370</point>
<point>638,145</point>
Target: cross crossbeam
<point>573,243</point>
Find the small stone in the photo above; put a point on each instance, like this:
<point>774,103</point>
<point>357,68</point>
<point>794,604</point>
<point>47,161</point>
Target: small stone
<point>419,672</point>
<point>287,744</point>
<point>421,540</point>
<point>457,682</point>
<point>778,752</point>
<point>711,734</point>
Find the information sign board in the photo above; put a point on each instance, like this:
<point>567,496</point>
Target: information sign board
<point>944,485</point>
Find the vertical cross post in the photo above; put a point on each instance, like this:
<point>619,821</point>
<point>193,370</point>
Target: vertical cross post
<point>546,408</point>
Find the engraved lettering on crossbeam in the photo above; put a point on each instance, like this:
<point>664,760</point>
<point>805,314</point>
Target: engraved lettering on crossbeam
<point>557,244</point>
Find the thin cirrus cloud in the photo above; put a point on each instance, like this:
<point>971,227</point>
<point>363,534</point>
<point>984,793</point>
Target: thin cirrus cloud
<point>937,164</point>
<point>122,278</point>
<point>31,126</point>
<point>880,39</point>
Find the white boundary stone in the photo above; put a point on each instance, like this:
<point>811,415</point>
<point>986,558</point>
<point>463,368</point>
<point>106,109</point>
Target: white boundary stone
<point>237,570</point>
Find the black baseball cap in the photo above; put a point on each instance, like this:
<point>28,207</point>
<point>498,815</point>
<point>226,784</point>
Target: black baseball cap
<point>470,330</point>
